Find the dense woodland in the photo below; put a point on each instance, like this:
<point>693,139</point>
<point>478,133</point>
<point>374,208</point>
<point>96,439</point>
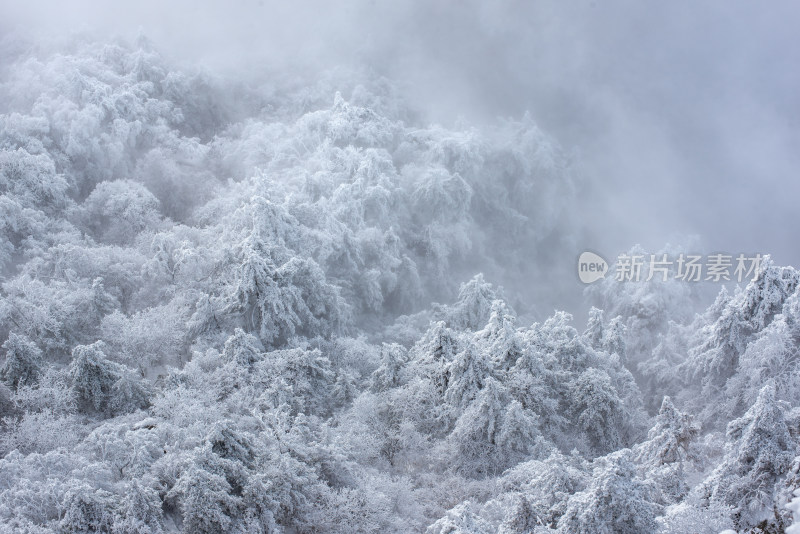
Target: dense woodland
<point>275,307</point>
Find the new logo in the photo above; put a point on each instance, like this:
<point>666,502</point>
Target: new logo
<point>591,267</point>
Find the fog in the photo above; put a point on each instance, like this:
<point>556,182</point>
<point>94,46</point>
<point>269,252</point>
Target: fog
<point>311,267</point>
<point>682,118</point>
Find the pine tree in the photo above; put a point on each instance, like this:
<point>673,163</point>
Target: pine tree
<point>468,372</point>
<point>388,374</point>
<point>759,452</point>
<point>129,393</point>
<point>23,363</point>
<point>616,501</point>
<point>547,484</point>
<point>500,337</point>
<point>434,353</point>
<point>462,519</point>
<point>93,375</point>
<point>716,357</point>
<point>664,455</point>
<point>474,305</point>
<point>243,349</point>
<point>476,432</point>
<point>206,501</point>
<point>614,338</point>
<point>595,330</point>
<point>597,409</point>
<point>87,509</point>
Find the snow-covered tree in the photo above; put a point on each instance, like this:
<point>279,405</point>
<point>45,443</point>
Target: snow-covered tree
<point>597,410</point>
<point>434,353</point>
<point>462,519</point>
<point>759,452</point>
<point>86,509</point>
<point>103,385</point>
<point>468,373</point>
<point>243,349</point>
<point>279,301</point>
<point>665,453</point>
<point>474,305</point>
<point>715,358</point>
<point>201,282</point>
<point>117,210</point>
<point>595,328</point>
<point>206,501</point>
<point>93,375</point>
<point>544,486</point>
<point>492,433</point>
<point>389,373</point>
<point>714,518</point>
<point>23,362</point>
<point>616,501</point>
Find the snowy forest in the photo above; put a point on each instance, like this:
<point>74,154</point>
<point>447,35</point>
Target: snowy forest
<point>302,307</point>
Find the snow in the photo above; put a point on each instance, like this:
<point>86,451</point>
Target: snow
<point>284,315</point>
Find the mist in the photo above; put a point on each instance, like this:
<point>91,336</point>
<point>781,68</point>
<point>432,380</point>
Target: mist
<point>682,118</point>
<point>311,266</point>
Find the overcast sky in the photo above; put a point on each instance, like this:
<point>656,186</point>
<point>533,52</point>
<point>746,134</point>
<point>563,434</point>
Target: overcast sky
<point>684,114</point>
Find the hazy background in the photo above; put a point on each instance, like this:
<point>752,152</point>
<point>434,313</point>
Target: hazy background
<point>684,115</point>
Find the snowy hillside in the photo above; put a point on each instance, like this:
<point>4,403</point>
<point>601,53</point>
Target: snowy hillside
<point>229,307</point>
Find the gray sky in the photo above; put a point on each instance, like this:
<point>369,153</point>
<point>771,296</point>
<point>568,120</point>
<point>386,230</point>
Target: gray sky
<point>684,114</point>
